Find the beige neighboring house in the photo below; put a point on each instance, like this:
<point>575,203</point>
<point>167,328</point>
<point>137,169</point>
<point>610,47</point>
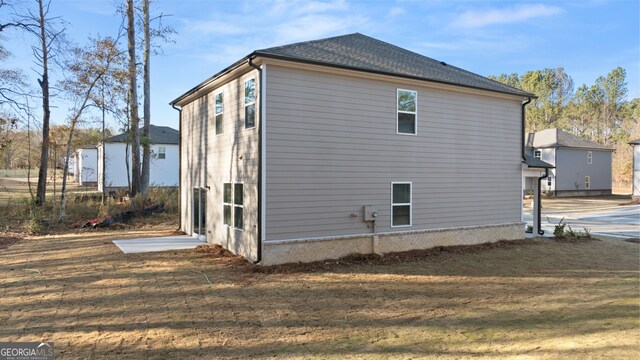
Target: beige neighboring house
<point>324,148</point>
<point>636,169</point>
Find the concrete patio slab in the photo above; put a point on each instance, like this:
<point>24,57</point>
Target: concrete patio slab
<point>166,243</point>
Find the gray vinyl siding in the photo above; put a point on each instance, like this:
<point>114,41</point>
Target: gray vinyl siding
<point>572,167</point>
<point>332,147</point>
<point>210,160</point>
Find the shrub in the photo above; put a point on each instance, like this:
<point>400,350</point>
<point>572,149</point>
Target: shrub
<point>559,230</point>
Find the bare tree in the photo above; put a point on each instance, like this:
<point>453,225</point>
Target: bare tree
<point>161,32</point>
<point>90,66</point>
<point>49,32</point>
<point>133,105</point>
<point>146,144</point>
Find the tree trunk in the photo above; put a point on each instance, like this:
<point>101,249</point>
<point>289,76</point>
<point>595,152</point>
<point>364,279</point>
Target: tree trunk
<point>133,96</point>
<point>41,189</point>
<point>146,146</point>
<point>63,191</point>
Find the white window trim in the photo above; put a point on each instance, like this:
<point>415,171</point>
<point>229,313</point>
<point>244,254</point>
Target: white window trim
<point>410,203</point>
<point>406,112</point>
<point>539,154</point>
<point>163,152</point>
<point>227,204</point>
<point>589,157</point>
<point>587,182</point>
<point>255,120</point>
<point>241,206</point>
<point>215,114</point>
<point>233,205</point>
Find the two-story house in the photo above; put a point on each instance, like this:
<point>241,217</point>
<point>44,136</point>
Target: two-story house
<point>349,144</point>
<point>114,159</point>
<point>582,167</point>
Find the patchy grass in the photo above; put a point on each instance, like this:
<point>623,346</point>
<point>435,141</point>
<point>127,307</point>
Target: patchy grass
<point>17,213</point>
<point>543,299</point>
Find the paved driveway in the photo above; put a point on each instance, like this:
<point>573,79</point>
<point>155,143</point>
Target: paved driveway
<point>608,219</point>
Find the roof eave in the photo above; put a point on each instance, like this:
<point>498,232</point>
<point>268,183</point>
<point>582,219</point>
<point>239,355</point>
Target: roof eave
<point>256,53</point>
<point>211,79</point>
<point>353,68</point>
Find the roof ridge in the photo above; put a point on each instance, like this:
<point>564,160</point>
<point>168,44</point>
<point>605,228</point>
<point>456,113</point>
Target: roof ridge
<point>308,41</point>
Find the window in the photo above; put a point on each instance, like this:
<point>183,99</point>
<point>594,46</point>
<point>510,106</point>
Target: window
<point>238,216</point>
<point>232,204</point>
<point>250,103</point>
<point>407,112</point>
<point>537,154</point>
<point>400,204</point>
<point>587,182</point>
<point>227,204</point>
<point>162,152</point>
<point>589,157</point>
<point>549,181</point>
<point>219,110</point>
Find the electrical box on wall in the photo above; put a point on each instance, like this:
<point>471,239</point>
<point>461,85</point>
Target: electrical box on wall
<point>370,213</point>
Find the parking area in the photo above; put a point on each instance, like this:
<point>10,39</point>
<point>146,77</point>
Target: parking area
<point>609,216</point>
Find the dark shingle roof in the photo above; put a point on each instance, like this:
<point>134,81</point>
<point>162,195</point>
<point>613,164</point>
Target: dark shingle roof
<point>551,138</point>
<point>363,53</point>
<point>532,162</point>
<point>360,52</point>
<point>635,142</point>
<point>158,135</point>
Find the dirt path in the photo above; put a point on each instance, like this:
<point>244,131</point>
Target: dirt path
<point>544,300</point>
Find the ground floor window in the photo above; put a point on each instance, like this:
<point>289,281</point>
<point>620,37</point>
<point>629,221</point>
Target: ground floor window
<point>401,203</point>
<point>233,205</point>
<point>587,182</point>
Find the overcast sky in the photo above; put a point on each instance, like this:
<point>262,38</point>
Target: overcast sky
<point>587,38</point>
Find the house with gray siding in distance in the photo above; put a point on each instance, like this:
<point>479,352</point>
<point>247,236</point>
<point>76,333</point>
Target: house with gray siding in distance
<point>344,145</point>
<point>636,169</point>
<point>582,167</point>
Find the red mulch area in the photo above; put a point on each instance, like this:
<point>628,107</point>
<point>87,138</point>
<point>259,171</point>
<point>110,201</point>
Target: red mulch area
<point>229,259</point>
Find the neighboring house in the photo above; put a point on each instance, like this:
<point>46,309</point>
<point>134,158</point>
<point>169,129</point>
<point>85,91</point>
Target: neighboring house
<point>636,169</point>
<point>534,172</point>
<point>117,166</point>
<point>582,167</point>
<point>86,166</point>
<point>345,145</point>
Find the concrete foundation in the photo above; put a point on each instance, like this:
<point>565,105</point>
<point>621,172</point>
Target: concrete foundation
<point>307,250</point>
<point>572,193</point>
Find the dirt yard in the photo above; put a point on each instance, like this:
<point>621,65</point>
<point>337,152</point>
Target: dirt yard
<point>543,300</point>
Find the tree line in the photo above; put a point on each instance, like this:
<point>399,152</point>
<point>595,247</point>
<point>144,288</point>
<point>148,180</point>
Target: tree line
<point>598,112</point>
<point>99,78</point>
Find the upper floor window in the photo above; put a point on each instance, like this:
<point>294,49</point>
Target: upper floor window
<point>407,107</point>
<point>162,152</point>
<point>589,157</point>
<point>250,103</point>
<point>219,110</point>
<point>401,204</point>
<point>537,154</point>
